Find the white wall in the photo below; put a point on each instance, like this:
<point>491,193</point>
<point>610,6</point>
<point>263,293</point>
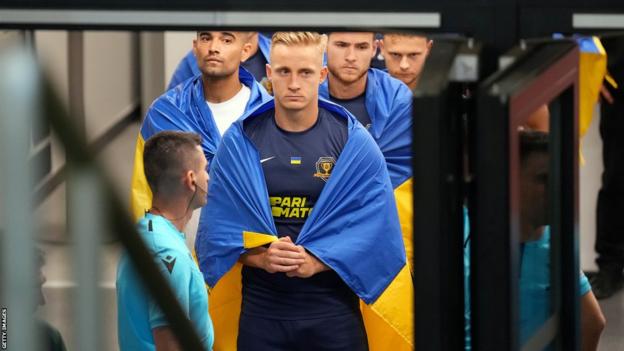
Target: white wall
<point>177,45</point>
<point>10,37</point>
<point>51,49</point>
<point>161,52</point>
<point>110,79</point>
<point>589,184</point>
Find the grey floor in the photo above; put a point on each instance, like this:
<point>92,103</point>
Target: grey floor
<point>117,159</point>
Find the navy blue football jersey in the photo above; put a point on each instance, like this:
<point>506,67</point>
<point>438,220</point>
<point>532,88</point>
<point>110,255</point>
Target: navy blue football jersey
<point>357,107</point>
<point>256,65</point>
<point>296,166</point>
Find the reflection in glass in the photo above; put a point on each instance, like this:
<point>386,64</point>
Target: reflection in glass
<point>534,233</point>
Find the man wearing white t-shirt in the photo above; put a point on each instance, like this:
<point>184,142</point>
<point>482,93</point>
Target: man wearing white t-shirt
<point>206,104</point>
<point>228,111</point>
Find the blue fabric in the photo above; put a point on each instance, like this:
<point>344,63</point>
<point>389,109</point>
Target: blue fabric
<point>534,284</point>
<point>354,228</point>
<point>264,44</point>
<point>389,105</point>
<point>137,312</point>
<point>293,191</point>
<point>184,108</point>
<point>294,188</point>
<point>586,43</point>
<point>188,67</point>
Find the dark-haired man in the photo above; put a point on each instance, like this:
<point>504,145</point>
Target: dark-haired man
<point>207,104</point>
<point>175,168</point>
<point>254,61</point>
<point>534,281</point>
<point>405,55</point>
<point>382,104</point>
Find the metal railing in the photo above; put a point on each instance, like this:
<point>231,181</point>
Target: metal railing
<point>25,98</point>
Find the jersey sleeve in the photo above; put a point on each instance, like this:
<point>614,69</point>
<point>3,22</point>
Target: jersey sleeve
<point>174,267</point>
<point>584,285</point>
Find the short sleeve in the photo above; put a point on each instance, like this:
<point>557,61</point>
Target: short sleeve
<point>584,285</point>
<point>174,267</point>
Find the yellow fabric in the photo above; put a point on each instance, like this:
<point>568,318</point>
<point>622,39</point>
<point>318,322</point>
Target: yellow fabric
<point>140,192</point>
<point>388,321</point>
<point>592,70</point>
<point>611,80</point>
<point>225,307</point>
<point>404,203</point>
<point>253,239</point>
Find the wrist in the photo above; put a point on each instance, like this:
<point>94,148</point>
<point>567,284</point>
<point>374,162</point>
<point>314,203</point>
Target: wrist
<point>255,257</point>
<point>318,266</point>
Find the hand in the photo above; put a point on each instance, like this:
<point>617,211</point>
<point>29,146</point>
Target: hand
<point>606,94</point>
<point>282,256</point>
<point>310,266</point>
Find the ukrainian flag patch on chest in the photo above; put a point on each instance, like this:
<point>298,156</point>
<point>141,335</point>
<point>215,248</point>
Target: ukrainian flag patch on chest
<point>295,160</point>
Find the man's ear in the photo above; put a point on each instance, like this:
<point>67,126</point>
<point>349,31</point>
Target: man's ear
<point>323,75</point>
<point>195,47</point>
<point>246,51</point>
<point>375,45</point>
<point>429,46</point>
<point>269,71</point>
<point>380,43</point>
<point>188,180</point>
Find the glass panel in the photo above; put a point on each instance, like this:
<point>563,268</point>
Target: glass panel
<point>534,179</point>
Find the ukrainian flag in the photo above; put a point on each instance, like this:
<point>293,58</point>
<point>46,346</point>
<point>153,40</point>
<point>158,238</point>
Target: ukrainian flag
<point>295,160</point>
<point>354,229</point>
<point>389,105</point>
<point>182,108</point>
<point>592,73</point>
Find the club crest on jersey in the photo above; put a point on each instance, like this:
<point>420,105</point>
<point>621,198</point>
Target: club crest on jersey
<point>324,167</point>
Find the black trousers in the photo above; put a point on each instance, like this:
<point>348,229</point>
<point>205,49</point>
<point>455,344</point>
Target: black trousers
<point>609,224</point>
<point>340,333</point>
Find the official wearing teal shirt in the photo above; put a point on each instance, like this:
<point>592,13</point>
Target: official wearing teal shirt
<point>137,312</point>
<point>534,284</point>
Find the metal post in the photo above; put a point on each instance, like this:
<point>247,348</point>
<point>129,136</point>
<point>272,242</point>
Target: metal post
<point>18,110</point>
<point>86,229</point>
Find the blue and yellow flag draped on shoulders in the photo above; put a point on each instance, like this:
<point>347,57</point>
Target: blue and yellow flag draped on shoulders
<point>183,108</point>
<point>389,105</point>
<point>353,229</point>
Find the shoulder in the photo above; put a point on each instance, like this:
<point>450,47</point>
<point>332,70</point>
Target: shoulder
<point>389,85</point>
<point>258,122</point>
<point>177,96</point>
<point>333,119</point>
<point>158,237</point>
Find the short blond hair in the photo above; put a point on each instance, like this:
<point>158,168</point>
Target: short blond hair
<point>300,39</point>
